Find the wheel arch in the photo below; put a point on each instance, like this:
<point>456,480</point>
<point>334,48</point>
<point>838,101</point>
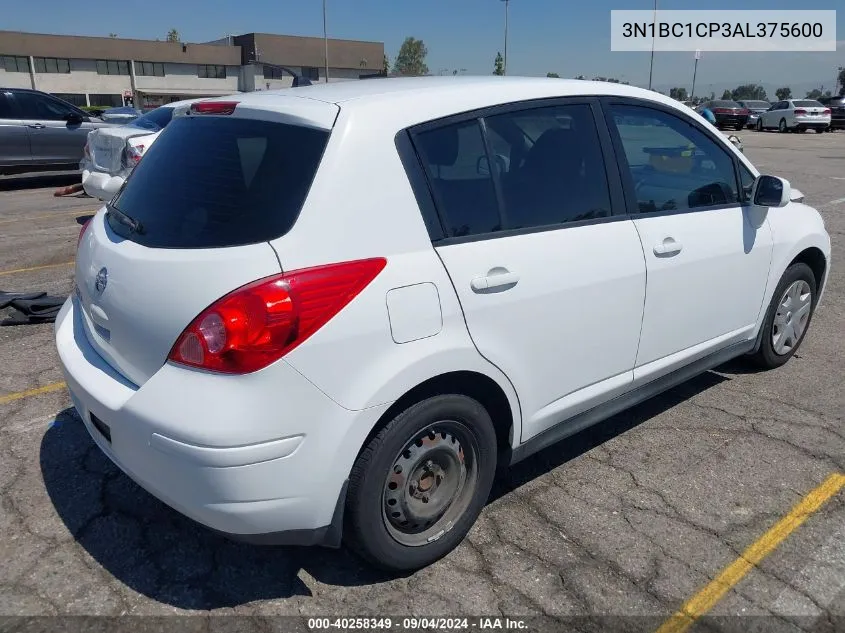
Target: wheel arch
<point>816,260</point>
<point>470,383</point>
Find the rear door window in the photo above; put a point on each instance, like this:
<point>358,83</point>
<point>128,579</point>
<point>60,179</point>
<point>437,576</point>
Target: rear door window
<point>212,182</point>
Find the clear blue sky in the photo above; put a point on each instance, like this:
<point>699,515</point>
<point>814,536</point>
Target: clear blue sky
<point>562,36</point>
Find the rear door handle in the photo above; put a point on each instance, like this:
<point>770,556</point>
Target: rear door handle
<point>668,247</point>
<point>36,126</point>
<point>495,281</point>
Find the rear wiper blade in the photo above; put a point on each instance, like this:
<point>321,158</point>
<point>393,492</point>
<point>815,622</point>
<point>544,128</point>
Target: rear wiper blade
<point>134,225</point>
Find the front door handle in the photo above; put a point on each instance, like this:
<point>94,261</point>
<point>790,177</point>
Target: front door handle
<point>36,126</point>
<point>496,280</point>
<point>667,247</point>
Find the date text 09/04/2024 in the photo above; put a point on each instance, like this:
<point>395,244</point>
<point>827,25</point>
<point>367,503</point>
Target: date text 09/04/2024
<point>723,29</point>
<point>416,623</point>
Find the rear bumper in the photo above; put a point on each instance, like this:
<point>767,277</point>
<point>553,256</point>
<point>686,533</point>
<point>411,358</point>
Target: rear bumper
<point>262,458</point>
<point>811,123</point>
<point>101,185</point>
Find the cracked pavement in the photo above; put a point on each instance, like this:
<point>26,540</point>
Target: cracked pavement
<point>625,520</point>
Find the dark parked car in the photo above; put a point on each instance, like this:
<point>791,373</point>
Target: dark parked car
<point>727,113</point>
<point>755,109</point>
<point>837,111</point>
<point>40,132</point>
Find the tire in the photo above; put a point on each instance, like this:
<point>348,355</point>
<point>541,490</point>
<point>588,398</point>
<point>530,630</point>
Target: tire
<point>418,446</point>
<point>759,125</point>
<point>739,128</point>
<point>782,126</point>
<point>769,355</point>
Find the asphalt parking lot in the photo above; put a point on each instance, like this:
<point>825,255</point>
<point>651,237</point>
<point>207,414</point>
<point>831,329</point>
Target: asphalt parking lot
<point>629,520</point>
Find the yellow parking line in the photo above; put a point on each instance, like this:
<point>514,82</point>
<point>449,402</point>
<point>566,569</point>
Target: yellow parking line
<point>23,270</point>
<point>707,597</point>
<point>56,386</point>
<point>49,215</point>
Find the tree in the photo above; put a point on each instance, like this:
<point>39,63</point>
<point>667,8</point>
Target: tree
<point>726,95</point>
<point>386,65</point>
<point>749,92</point>
<point>555,75</point>
<point>499,65</point>
<point>679,94</point>
<point>173,35</point>
<point>815,93</point>
<point>712,96</point>
<point>841,81</point>
<point>784,93</point>
<point>411,58</point>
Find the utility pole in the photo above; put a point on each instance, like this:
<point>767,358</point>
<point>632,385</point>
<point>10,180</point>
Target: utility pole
<point>694,72</point>
<point>505,64</point>
<point>651,64</point>
<point>326,40</point>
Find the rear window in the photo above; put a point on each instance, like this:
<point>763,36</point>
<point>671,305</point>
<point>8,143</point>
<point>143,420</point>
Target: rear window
<point>154,120</point>
<point>211,182</point>
<point>809,103</point>
<point>725,104</point>
<point>757,104</point>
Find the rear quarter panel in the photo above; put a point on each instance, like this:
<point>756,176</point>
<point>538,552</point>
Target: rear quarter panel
<point>361,205</point>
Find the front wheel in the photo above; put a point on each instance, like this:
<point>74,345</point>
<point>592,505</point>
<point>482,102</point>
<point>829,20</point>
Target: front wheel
<point>759,125</point>
<point>788,317</point>
<point>782,126</point>
<point>418,486</point>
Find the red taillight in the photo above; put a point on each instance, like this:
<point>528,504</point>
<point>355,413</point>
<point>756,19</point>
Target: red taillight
<point>745,111</point>
<point>721,111</point>
<point>826,111</point>
<point>799,111</point>
<point>84,228</point>
<point>214,107</point>
<point>259,323</point>
<point>134,154</point>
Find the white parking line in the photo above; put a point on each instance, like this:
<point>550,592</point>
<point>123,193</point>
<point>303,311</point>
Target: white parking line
<point>837,201</point>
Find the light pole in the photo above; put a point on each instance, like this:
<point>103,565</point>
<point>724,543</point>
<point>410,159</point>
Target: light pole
<point>653,26</point>
<point>694,73</point>
<point>505,63</point>
<point>326,40</point>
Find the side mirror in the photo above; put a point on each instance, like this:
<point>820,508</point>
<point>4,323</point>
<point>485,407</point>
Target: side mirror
<point>770,191</point>
<point>74,118</point>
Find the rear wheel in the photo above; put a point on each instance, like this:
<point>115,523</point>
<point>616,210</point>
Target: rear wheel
<point>419,485</point>
<point>738,127</point>
<point>788,317</point>
<point>782,126</point>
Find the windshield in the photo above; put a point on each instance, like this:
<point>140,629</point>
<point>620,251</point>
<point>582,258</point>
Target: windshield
<point>154,120</point>
<point>808,104</point>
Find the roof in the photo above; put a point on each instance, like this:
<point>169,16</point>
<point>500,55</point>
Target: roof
<point>394,104</point>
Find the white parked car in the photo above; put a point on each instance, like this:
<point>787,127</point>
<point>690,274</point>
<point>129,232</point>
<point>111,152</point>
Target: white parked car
<point>111,153</point>
<point>795,115</point>
<point>335,319</point>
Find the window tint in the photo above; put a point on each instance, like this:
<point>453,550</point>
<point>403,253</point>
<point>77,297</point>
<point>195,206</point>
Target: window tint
<point>40,107</point>
<point>673,163</point>
<point>547,161</point>
<point>244,182</point>
<point>554,171</point>
<point>455,162</point>
<point>5,107</point>
<point>746,179</point>
<point>808,103</point>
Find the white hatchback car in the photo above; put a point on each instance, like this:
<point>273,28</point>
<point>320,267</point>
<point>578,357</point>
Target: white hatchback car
<point>354,301</point>
<point>795,115</point>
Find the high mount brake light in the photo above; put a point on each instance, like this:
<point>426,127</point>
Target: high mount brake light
<point>259,323</point>
<point>214,107</point>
